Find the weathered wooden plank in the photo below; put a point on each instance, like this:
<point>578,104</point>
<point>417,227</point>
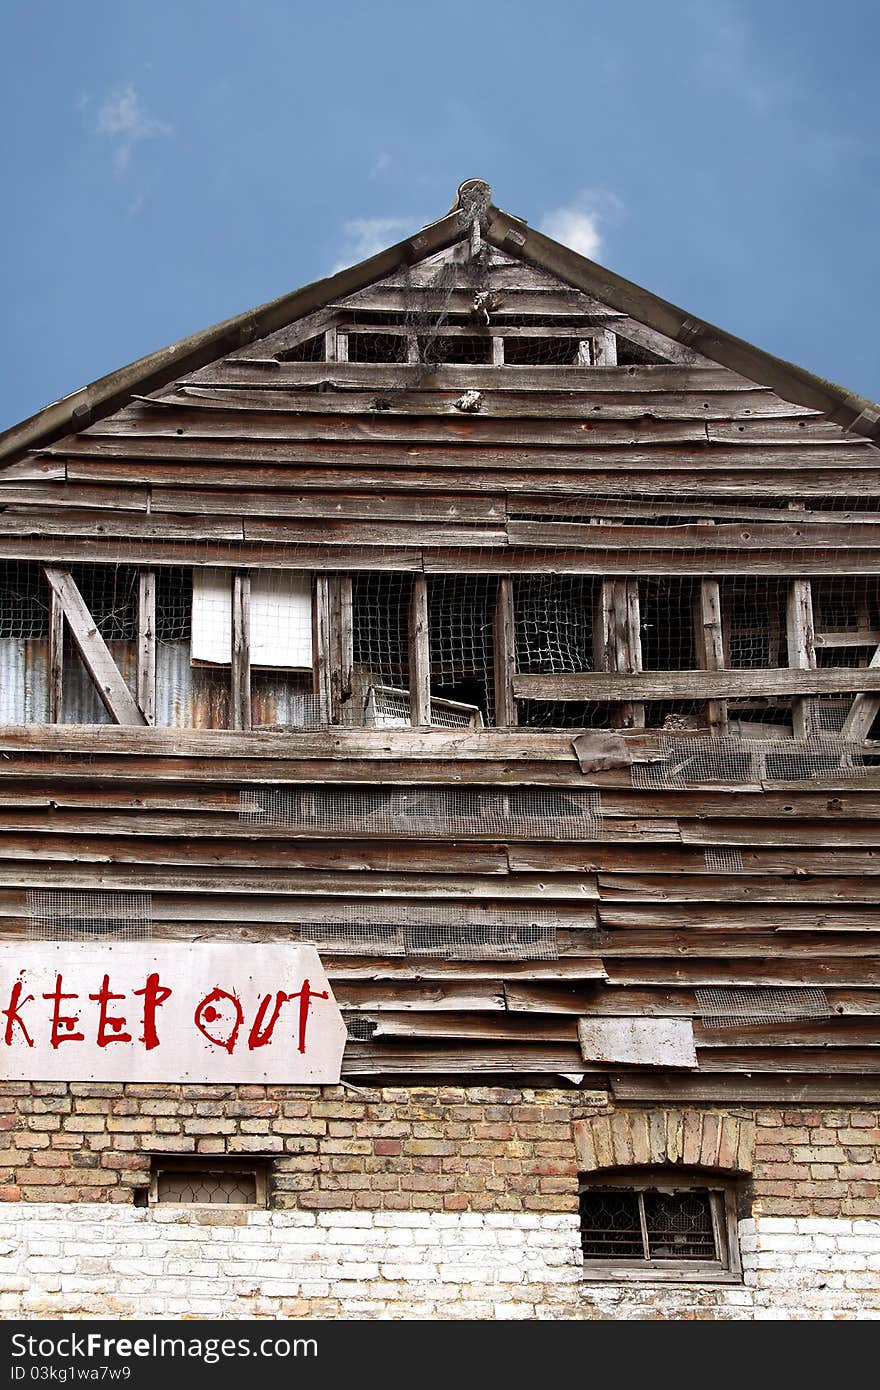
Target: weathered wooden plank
<point>694,481</point>
<point>801,648</point>
<point>241,651</point>
<point>651,1042</point>
<point>709,645</point>
<point>281,855</point>
<point>19,498</point>
<point>742,888</point>
<point>200,422</point>
<point>837,973</point>
<point>590,381</point>
<point>130,524</point>
<point>56,657</point>
<point>632,448</point>
<point>695,685</point>
<point>504,651</point>
<point>376,1059</point>
<point>228,389</point>
<point>772,917</point>
<point>220,879</point>
<point>146,644</point>
<point>114,693</point>
<point>397,970</point>
<point>793,1090</point>
<point>419,654</point>
<point>321,644</point>
<point>864,710</point>
<point>469,997</point>
<point>405,506</point>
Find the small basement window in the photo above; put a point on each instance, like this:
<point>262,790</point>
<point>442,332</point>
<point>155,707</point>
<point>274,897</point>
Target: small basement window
<point>659,1227</point>
<point>215,1182</point>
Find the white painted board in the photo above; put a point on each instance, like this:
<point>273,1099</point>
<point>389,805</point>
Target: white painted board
<point>212,615</point>
<point>167,1011</point>
<point>280,618</point>
<point>645,1042</point>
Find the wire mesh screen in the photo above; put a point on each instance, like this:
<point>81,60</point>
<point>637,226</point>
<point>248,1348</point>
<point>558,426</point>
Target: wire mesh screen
<point>24,600</point>
<point>380,617</point>
<point>724,860</point>
<point>732,759</point>
<point>625,1225</point>
<point>358,1028</point>
<point>110,593</point>
<point>461,609</point>
<point>722,1008</point>
<point>72,914</point>
<point>531,812</point>
<point>174,590</point>
<point>207,1186</point>
<point>452,933</point>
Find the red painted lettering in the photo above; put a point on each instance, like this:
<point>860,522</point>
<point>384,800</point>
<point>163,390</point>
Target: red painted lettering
<point>154,995</point>
<point>63,1025</point>
<point>257,1038</point>
<point>109,1027</point>
<point>225,1021</point>
<point>13,1016</point>
<point>305,996</point>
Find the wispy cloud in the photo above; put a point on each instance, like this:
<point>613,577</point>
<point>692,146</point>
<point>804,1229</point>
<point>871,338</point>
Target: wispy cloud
<point>125,121</point>
<point>364,236</point>
<point>580,223</point>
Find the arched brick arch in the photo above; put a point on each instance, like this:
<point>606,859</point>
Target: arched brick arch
<point>651,1138</point>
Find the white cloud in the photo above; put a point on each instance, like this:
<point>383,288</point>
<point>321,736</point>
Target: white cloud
<point>364,236</point>
<point>125,121</point>
<point>579,224</point>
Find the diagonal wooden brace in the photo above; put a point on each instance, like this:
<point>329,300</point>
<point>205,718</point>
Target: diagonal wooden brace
<point>115,695</point>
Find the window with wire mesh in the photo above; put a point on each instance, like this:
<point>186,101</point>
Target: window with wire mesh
<point>846,620</point>
<point>460,619</point>
<point>174,587</point>
<point>311,350</point>
<point>110,593</point>
<point>380,621</point>
<point>217,1182</point>
<point>24,600</point>
<point>754,635</point>
<point>649,1222</point>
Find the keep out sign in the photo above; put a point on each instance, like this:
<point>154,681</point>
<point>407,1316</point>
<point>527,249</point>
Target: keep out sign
<point>147,1011</point>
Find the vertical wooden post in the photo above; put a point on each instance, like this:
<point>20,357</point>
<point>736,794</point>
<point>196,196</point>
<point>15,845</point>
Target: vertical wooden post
<point>497,352</point>
<point>504,642</point>
<point>146,645</point>
<point>419,653</point>
<point>321,646</point>
<point>605,348</point>
<point>710,646</point>
<point>341,647</point>
<point>241,651</point>
<point>617,642</point>
<point>56,657</point>
<point>801,649</point>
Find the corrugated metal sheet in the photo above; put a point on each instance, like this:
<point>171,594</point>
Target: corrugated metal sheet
<point>24,680</point>
<point>187,696</point>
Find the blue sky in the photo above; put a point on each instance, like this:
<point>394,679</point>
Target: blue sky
<point>167,165</point>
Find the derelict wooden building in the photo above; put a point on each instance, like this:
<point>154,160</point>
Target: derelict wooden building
<point>498,627</point>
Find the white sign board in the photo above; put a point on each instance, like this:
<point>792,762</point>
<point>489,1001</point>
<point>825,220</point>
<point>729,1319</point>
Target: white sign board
<point>163,1011</point>
<point>646,1042</point>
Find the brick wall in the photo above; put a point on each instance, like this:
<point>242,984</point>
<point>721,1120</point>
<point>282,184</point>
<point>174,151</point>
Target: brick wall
<point>419,1202</point>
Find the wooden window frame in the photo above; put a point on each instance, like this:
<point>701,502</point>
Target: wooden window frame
<point>725,1269</point>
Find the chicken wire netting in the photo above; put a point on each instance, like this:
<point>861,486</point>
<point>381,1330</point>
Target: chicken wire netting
<point>682,761</point>
<point>71,914</point>
<point>529,812</point>
<point>721,1008</point>
<point>453,933</point>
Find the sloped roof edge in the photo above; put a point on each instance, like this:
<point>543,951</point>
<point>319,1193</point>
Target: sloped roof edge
<point>150,373</point>
<point>509,233</point>
<point>793,383</point>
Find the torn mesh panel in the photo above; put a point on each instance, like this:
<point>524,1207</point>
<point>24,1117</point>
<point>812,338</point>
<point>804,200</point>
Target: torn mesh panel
<point>72,914</point>
<point>534,812</point>
<point>733,759</point>
<point>453,933</point>
<point>749,1007</point>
